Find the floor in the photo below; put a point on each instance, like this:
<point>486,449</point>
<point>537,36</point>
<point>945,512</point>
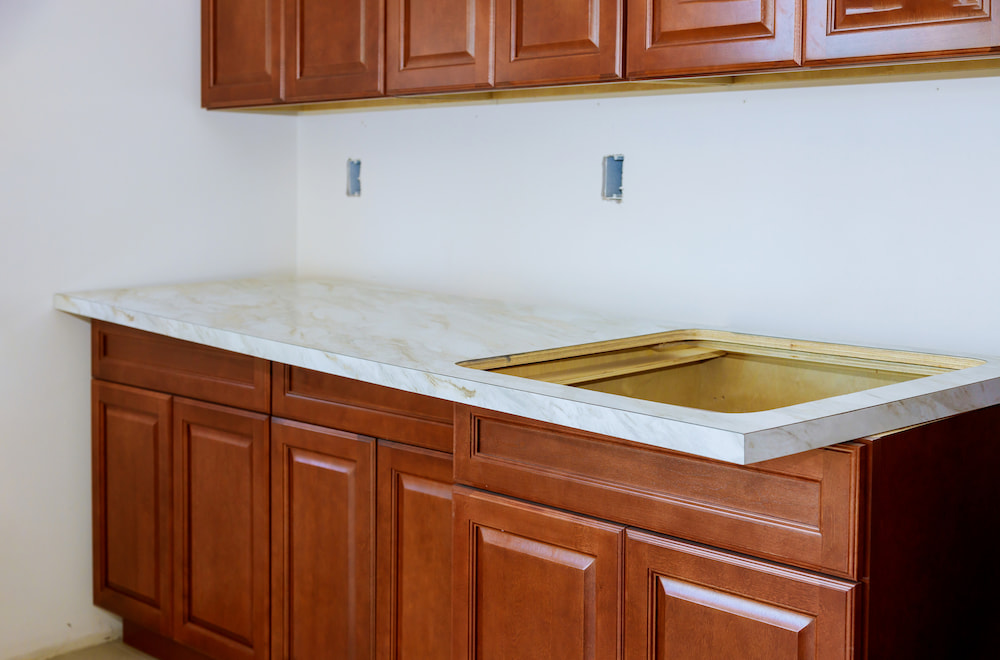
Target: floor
<point>109,651</point>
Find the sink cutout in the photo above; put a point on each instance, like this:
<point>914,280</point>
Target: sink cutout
<point>721,371</point>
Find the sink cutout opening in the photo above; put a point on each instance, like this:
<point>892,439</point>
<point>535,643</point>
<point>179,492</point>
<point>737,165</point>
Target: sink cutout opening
<point>721,371</point>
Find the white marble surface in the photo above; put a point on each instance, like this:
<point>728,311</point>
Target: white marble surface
<point>412,341</point>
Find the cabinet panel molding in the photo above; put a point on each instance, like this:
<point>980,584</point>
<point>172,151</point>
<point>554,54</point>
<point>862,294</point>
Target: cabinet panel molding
<point>221,558</point>
<point>688,601</point>
<point>675,37</point>
<point>414,553</point>
<point>241,58</point>
<point>131,503</point>
<point>322,542</point>
<point>552,41</point>
<point>532,582</point>
<point>333,50</point>
<point>861,30</point>
<point>435,45</point>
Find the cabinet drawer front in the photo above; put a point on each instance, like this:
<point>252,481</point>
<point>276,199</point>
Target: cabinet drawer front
<point>802,509</point>
<point>689,601</point>
<point>144,359</point>
<point>350,405</point>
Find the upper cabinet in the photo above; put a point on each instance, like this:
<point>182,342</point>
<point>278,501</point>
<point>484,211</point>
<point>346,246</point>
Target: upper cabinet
<point>558,41</point>
<point>888,29</point>
<point>240,52</point>
<point>265,52</point>
<point>333,49</point>
<point>449,45</point>
<point>436,45</point>
<point>680,37</point>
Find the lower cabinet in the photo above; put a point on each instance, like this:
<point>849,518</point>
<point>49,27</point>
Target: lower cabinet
<point>322,527</point>
<point>181,519</point>
<point>220,530</point>
<point>534,582</point>
<point>697,603</point>
<point>414,488</point>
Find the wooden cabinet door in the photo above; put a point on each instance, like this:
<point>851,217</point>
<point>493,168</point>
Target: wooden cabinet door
<point>240,52</point>
<point>414,553</point>
<point>322,542</point>
<point>532,582</point>
<point>221,563</point>
<point>677,37</point>
<point>558,41</point>
<point>887,29</point>
<point>438,45</point>
<point>131,500</point>
<point>687,602</point>
<point>333,49</point>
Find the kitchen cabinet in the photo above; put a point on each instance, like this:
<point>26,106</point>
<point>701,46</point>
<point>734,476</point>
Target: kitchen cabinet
<point>875,30</point>
<point>240,52</point>
<point>220,552</point>
<point>413,619</point>
<point>532,582</point>
<point>180,491</point>
<point>675,38</point>
<point>692,602</point>
<point>234,495</point>
<point>333,49</point>
<point>449,45</point>
<point>131,503</point>
<point>228,532</point>
<point>435,45</point>
<point>875,548</point>
<point>323,554</point>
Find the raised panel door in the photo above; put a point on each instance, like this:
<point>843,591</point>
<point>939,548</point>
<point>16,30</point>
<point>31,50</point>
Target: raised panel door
<point>240,52</point>
<point>532,582</point>
<point>687,602</point>
<point>438,45</point>
<point>322,541</point>
<point>888,29</point>
<point>414,553</point>
<point>221,530</point>
<point>558,41</point>
<point>333,49</point>
<point>680,37</point>
<point>131,501</point>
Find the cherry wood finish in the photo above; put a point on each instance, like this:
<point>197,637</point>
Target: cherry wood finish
<point>240,52</point>
<point>694,603</point>
<point>156,644</point>
<point>558,41</point>
<point>438,45</point>
<point>155,362</point>
<point>414,553</point>
<point>350,405</point>
<point>131,503</point>
<point>221,544</point>
<point>677,37</point>
<point>532,582</point>
<point>933,572</point>
<point>802,510</point>
<point>866,30</point>
<point>322,542</point>
<point>333,49</point>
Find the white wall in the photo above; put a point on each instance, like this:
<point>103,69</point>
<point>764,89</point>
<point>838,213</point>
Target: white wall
<point>110,175</point>
<point>860,213</point>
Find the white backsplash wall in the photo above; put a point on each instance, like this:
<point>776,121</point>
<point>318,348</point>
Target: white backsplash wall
<point>857,213</point>
<point>110,176</point>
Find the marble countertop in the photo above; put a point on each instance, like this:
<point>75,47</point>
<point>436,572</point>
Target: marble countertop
<point>412,340</point>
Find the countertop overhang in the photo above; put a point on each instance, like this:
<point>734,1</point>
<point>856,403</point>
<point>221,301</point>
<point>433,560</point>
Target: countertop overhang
<point>412,340</point>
